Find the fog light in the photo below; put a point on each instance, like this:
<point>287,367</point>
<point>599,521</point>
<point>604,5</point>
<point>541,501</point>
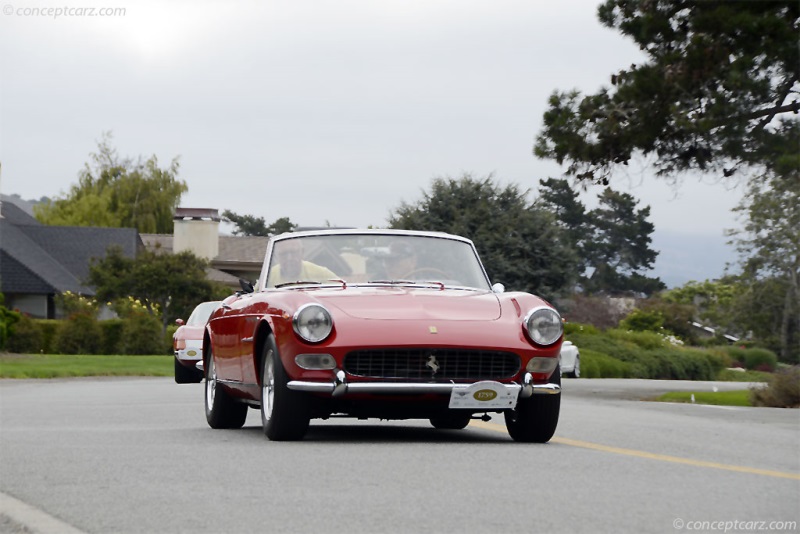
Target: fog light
<point>314,362</point>
<point>541,365</point>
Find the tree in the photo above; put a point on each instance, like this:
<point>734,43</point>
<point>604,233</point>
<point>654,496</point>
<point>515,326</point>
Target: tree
<point>619,246</point>
<point>715,302</point>
<point>519,244</point>
<point>557,196</point>
<point>613,241</point>
<point>249,225</point>
<point>118,193</point>
<point>717,91</point>
<point>169,285</point>
<point>769,245</point>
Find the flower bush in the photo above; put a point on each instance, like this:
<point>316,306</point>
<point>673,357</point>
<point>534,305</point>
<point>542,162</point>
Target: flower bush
<point>74,303</point>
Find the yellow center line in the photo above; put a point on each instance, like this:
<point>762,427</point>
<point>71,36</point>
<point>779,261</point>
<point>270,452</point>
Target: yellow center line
<point>650,455</point>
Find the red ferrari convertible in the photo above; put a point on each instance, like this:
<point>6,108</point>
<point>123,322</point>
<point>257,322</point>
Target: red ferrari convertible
<point>387,324</point>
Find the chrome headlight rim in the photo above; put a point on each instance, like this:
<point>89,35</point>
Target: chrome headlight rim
<point>305,330</point>
<point>531,332</point>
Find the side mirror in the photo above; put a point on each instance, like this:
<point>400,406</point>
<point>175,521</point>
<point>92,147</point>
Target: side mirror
<point>179,322</point>
<point>247,287</point>
<point>498,288</point>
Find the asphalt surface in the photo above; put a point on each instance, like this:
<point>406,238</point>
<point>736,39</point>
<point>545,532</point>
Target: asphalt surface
<point>135,456</point>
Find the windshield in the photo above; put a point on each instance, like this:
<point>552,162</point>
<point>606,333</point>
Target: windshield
<point>202,312</point>
<point>375,258</point>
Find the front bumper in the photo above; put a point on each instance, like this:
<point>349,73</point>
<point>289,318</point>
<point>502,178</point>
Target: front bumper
<point>340,386</point>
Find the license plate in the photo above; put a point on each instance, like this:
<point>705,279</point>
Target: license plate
<point>486,395</point>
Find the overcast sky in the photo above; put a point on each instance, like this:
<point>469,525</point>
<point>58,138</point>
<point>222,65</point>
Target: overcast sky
<point>322,111</point>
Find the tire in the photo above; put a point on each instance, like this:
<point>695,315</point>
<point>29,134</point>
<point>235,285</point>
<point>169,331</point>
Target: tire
<point>284,413</point>
<point>576,372</point>
<point>534,420</point>
<point>185,375</point>
<point>451,421</point>
<point>221,410</point>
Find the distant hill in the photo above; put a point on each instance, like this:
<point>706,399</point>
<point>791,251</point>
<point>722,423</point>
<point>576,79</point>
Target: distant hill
<point>684,257</point>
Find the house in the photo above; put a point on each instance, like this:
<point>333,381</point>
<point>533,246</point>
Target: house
<point>230,257</point>
<point>38,261</point>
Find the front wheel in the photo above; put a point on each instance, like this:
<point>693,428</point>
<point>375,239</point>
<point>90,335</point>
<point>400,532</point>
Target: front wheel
<point>221,410</point>
<point>534,420</point>
<point>284,413</point>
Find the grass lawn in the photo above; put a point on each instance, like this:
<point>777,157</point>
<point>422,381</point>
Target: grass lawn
<point>67,365</point>
<point>719,398</point>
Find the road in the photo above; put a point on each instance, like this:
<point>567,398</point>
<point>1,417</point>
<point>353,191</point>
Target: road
<point>136,456</point>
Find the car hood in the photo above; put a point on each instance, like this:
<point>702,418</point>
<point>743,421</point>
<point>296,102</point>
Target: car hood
<point>405,303</point>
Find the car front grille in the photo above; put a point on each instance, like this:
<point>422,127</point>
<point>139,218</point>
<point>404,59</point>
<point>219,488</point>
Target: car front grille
<point>432,364</point>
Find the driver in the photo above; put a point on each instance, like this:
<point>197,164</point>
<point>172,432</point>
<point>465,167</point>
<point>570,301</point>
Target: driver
<point>292,267</point>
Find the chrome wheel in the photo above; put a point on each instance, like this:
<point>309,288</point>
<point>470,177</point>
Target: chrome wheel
<point>222,410</point>
<point>285,413</point>
<point>268,387</point>
<point>211,383</point>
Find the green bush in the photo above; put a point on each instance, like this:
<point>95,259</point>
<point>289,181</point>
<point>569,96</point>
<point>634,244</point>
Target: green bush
<point>599,365</point>
<point>112,335</point>
<point>737,355</point>
<point>142,334</point>
<point>648,355</point>
<point>50,328</point>
<point>719,359</point>
<point>571,328</point>
<point>720,356</point>
<point>645,340</point>
<point>79,334</point>
<point>7,320</point>
<point>681,364</point>
<point>26,337</point>
<point>783,390</point>
<point>642,321</point>
<point>760,360</point>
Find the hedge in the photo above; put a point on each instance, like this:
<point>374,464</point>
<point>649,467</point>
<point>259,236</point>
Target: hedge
<point>645,355</point>
<point>82,334</point>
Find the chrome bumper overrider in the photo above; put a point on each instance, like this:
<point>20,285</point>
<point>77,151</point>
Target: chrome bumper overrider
<point>340,386</point>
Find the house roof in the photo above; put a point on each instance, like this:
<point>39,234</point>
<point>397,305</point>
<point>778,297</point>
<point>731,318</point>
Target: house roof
<point>75,247</point>
<point>16,211</point>
<point>17,277</point>
<point>38,258</point>
<point>32,269</point>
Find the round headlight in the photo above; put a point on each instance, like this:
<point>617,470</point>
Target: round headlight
<point>544,325</point>
<point>312,322</point>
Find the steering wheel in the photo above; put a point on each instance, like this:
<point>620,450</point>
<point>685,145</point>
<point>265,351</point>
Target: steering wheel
<point>433,271</point>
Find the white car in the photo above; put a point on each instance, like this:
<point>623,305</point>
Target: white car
<point>570,360</point>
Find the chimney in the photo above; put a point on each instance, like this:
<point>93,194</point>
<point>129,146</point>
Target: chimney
<point>196,230</point>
